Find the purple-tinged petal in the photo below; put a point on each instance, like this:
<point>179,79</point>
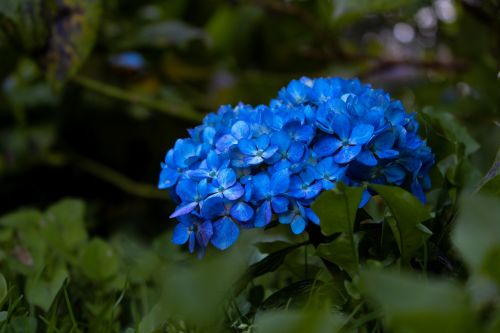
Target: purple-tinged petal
<point>347,154</point>
<point>212,207</point>
<point>235,192</point>
<point>183,210</point>
<point>226,232</point>
<point>205,232</point>
<point>225,142</point>
<point>262,185</point>
<point>192,242</point>
<point>361,134</point>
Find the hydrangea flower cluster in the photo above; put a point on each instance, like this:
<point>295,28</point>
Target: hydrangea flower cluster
<point>245,166</point>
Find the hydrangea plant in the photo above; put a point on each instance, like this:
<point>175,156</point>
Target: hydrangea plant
<point>245,166</point>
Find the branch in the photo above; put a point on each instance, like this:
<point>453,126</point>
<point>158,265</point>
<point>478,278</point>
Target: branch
<point>179,111</point>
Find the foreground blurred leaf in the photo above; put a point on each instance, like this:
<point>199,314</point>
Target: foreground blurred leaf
<point>22,324</point>
<point>408,213</point>
<point>24,23</point>
<point>65,224</point>
<point>490,184</point>
<point>73,33</point>
<point>41,290</point>
<point>294,321</point>
<point>3,289</point>
<point>477,235</point>
<point>99,261</point>
<point>412,305</point>
<point>269,264</point>
<point>292,296</point>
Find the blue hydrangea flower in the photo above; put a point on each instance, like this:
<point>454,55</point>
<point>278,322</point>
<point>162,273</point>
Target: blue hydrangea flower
<point>245,166</point>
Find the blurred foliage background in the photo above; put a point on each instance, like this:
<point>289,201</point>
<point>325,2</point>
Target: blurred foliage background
<point>94,92</point>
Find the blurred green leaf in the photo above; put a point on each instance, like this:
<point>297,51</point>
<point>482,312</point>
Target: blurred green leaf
<point>3,289</point>
<point>42,290</point>
<point>490,184</point>
<point>408,213</point>
<point>295,321</point>
<point>477,235</point>
<point>64,225</point>
<point>294,295</point>
<point>73,33</point>
<point>99,261</point>
<point>343,252</point>
<point>448,125</point>
<point>268,264</point>
<point>21,324</point>
<point>412,305</point>
<point>337,209</point>
<point>24,23</point>
<point>274,246</point>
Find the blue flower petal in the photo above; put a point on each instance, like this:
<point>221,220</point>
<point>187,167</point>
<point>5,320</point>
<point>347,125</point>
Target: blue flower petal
<point>225,142</point>
<point>342,126</point>
<point>279,204</point>
<point>280,181</point>
<point>367,158</point>
<point>247,147</point>
<point>226,232</point>
<point>184,209</point>
<point>226,177</point>
<point>361,134</point>
<point>168,178</point>
<point>181,234</point>
<point>240,130</point>
<point>388,153</point>
<point>242,212</point>
<point>235,192</point>
<point>205,233</point>
<point>263,215</point>
<point>262,142</point>
<point>347,154</point>
<point>298,225</point>
<point>296,151</point>
<point>326,146</point>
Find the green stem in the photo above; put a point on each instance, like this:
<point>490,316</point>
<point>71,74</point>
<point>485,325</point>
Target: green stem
<point>178,111</point>
<point>107,174</point>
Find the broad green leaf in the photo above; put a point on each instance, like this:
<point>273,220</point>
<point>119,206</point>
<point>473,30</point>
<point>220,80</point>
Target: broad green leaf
<point>42,290</point>
<point>73,32</point>
<point>413,305</point>
<point>269,264</point>
<point>347,11</point>
<point>21,219</point>
<point>99,261</point>
<point>274,246</point>
<point>21,324</point>
<point>295,321</point>
<point>3,289</point>
<point>454,132</point>
<point>64,225</point>
<point>294,295</point>
<point>342,252</point>
<point>337,209</point>
<point>408,213</point>
<point>477,235</point>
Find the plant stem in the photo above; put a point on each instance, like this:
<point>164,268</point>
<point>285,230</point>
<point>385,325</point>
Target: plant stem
<point>178,111</point>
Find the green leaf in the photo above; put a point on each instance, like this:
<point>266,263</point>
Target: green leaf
<point>412,305</point>
<point>21,219</point>
<point>42,290</point>
<point>24,324</point>
<point>477,235</point>
<point>347,11</point>
<point>293,295</point>
<point>64,225</point>
<point>24,23</point>
<point>270,247</point>
<point>449,126</point>
<point>73,32</point>
<point>3,289</point>
<point>99,261</point>
<point>269,264</point>
<point>408,213</point>
<point>337,209</point>
<point>490,184</point>
<point>295,321</point>
<point>343,252</point>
